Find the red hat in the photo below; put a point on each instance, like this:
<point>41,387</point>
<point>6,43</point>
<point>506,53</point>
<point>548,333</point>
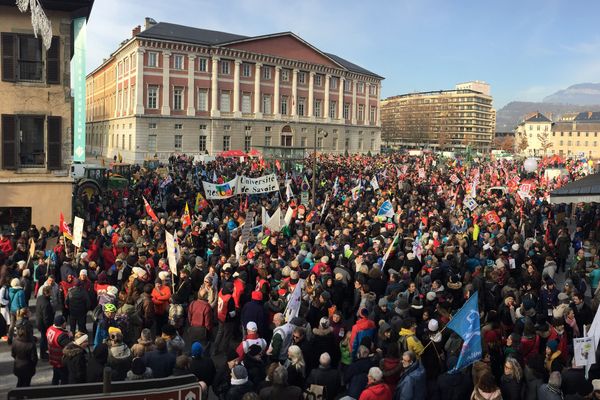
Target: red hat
<point>256,295</point>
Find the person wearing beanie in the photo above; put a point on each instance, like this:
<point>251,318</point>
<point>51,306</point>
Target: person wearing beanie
<point>58,337</point>
<point>240,385</point>
<point>75,358</point>
<point>160,361</point>
<point>364,327</point>
<point>201,365</point>
<point>138,370</point>
<point>324,341</point>
<point>144,344</point>
<point>254,311</point>
<point>554,361</point>
<point>382,311</point>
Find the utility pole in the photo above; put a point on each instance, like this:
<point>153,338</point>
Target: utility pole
<point>314,167</point>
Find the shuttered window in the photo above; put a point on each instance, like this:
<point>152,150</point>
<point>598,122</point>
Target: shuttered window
<point>9,150</point>
<point>9,57</point>
<point>54,142</point>
<point>22,59</point>
<point>53,61</point>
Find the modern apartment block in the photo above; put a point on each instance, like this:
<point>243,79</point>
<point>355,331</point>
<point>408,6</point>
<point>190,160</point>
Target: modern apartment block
<point>442,120</point>
<point>177,89</point>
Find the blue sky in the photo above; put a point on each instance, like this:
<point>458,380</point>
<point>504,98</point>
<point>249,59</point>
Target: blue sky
<point>525,49</point>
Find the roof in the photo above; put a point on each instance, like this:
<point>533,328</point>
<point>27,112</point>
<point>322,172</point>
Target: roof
<point>187,34</point>
<point>588,116</point>
<point>537,117</point>
<point>585,190</point>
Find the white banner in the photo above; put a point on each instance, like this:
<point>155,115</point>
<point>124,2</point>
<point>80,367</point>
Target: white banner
<point>470,203</point>
<point>293,306</point>
<point>77,231</point>
<point>264,184</point>
<point>171,256</point>
<point>220,191</point>
<point>584,351</point>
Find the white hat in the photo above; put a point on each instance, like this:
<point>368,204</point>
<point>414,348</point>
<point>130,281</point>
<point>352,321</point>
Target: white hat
<point>83,272</point>
<point>15,283</point>
<point>21,263</point>
<point>596,384</point>
<point>79,341</point>
<point>163,275</point>
<point>515,247</point>
<point>112,290</point>
<point>251,326</point>
<point>141,272</point>
<point>410,256</point>
<point>430,296</point>
<point>433,325</point>
<point>226,267</point>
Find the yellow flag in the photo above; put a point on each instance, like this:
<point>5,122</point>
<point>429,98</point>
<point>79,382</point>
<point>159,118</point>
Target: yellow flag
<point>476,232</point>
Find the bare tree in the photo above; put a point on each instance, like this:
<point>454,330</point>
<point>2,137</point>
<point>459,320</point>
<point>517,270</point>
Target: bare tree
<point>523,144</point>
<point>545,143</point>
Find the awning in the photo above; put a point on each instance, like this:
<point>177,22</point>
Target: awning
<point>584,190</point>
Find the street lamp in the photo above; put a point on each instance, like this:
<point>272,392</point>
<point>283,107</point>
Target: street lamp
<point>318,131</point>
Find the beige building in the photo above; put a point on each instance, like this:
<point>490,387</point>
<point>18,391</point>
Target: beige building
<point>533,135</point>
<point>441,120</point>
<point>577,136</point>
<point>35,108</point>
<point>178,89</point>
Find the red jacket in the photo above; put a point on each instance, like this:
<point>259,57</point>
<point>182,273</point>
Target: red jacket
<point>6,247</point>
<point>361,325</point>
<point>376,391</point>
<point>200,314</point>
<point>161,299</point>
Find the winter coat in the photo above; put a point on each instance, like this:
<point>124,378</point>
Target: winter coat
<point>453,386</point>
<point>160,298</point>
<point>409,341</point>
<point>200,314</point>
<point>183,292</point>
<point>160,362</point>
<point>255,311</point>
<point>119,359</point>
<point>236,392</point>
<point>511,389</point>
<point>324,342</point>
<point>44,313</point>
<point>328,377</point>
<point>204,369</point>
<point>277,393</point>
<point>25,355</point>
<point>413,383</point>
<point>573,381</point>
<point>75,359</point>
<point>547,392</point>
<point>17,299</point>
<point>533,383</point>
<point>355,376</point>
<point>479,395</point>
<point>377,391</point>
<point>78,301</point>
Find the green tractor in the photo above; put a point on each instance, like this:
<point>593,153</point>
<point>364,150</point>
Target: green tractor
<point>97,180</point>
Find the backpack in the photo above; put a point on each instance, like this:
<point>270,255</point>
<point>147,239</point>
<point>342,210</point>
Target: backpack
<point>97,313</point>
<point>122,321</point>
<point>403,343</point>
<point>176,313</point>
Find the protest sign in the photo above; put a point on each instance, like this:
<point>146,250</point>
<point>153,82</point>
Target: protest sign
<point>584,352</point>
<point>220,191</point>
<point>247,228</point>
<point>264,184</point>
<point>77,231</point>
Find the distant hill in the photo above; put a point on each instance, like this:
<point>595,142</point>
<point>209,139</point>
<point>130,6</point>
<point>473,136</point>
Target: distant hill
<point>581,94</point>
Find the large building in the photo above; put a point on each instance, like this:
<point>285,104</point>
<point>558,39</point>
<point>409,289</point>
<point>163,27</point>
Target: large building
<point>533,135</point>
<point>177,89</point>
<point>578,136</point>
<point>36,114</point>
<point>442,120</point>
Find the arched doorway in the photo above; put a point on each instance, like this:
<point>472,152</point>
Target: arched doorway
<point>287,136</point>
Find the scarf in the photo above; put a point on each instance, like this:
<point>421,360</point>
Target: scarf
<point>237,382</point>
<point>573,324</point>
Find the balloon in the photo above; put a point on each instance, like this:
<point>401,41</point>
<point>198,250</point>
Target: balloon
<point>530,165</point>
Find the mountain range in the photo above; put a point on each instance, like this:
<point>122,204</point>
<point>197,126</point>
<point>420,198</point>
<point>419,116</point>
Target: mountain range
<point>575,98</point>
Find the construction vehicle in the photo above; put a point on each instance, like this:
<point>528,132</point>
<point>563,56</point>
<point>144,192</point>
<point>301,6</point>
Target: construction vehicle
<point>97,180</point>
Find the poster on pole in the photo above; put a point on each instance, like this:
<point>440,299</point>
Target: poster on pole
<point>171,257</point>
<point>584,352</point>
<point>78,72</point>
<point>247,228</point>
<point>77,231</point>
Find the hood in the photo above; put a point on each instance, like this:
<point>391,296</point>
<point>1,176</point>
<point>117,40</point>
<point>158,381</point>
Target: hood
<point>322,332</point>
<point>406,332</point>
<point>489,396</point>
<point>379,389</point>
<point>72,350</point>
<point>120,351</point>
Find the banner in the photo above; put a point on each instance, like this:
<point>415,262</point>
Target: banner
<point>293,306</point>
<point>78,72</point>
<point>594,333</point>
<point>149,210</point>
<point>584,351</point>
<point>274,223</point>
<point>220,191</point>
<point>374,183</point>
<point>247,228</point>
<point>186,220</point>
<point>466,324</point>
<point>422,173</point>
<point>264,184</point>
<point>288,216</point>
<point>454,179</point>
<point>470,203</point>
<point>386,209</point>
<point>64,228</point>
<point>77,231</point>
<point>171,252</point>
<point>492,217</point>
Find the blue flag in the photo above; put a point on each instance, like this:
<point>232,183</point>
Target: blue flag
<point>386,209</point>
<point>466,324</point>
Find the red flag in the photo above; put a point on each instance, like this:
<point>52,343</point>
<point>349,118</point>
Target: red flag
<point>186,220</point>
<point>278,165</point>
<point>64,228</point>
<point>149,210</point>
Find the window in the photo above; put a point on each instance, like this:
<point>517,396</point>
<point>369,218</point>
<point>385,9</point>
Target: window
<point>333,82</point>
<point>246,71</point>
<point>267,141</point>
<point>301,78</point>
<point>373,90</point>
<point>178,61</point>
<point>317,109</point>
<point>152,125</point>
<point>347,86</point>
<point>568,143</point>
<point>152,102</point>
<point>266,73</point>
<point>332,109</point>
<point>266,104</point>
<point>178,142</point>
<point>123,141</point>
<point>129,143</point>
<point>153,59</point>
<point>225,67</point>
<point>301,106</point>
<point>538,128</point>
<point>372,148</point>
<point>29,57</point>
<point>361,112</point>
<point>320,142</point>
<point>226,142</point>
<point>577,143</point>
<point>595,144</point>
<point>202,100</point>
<point>202,127</point>
<point>372,113</point>
<point>284,105</point>
<point>227,127</point>
<point>202,143</point>
<point>246,103</point>
<point>303,141</point>
<point>285,75</point>
<point>247,143</point>
<point>178,126</point>
<point>178,98</point>
<point>346,110</point>
<point>360,144</point>
<point>225,105</point>
<point>202,64</point>
<point>317,80</point>
<point>286,140</point>
<point>152,143</point>
<point>267,129</point>
<point>561,142</point>
<point>347,144</point>
<point>360,87</point>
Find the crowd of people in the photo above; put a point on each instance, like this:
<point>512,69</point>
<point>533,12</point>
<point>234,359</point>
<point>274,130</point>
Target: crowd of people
<point>343,301</point>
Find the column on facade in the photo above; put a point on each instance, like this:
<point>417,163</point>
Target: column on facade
<point>276,102</point>
<point>116,111</point>
<point>378,105</point>
<point>236,89</point>
<point>214,88</point>
<point>311,94</point>
<point>191,86</point>
<point>326,100</point>
<point>354,102</point>
<point>294,92</point>
<point>166,85</point>
<point>122,105</point>
<point>139,83</point>
<point>341,99</point>
<point>367,111</point>
<point>257,113</point>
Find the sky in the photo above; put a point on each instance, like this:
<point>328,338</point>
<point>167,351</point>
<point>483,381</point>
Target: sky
<point>525,49</point>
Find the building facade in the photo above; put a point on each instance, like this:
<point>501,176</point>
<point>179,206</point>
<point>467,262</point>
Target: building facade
<point>36,113</point>
<point>176,89</point>
<point>443,120</point>
<point>577,136</point>
<point>533,135</point>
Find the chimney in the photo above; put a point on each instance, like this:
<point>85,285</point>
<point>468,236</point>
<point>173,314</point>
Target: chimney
<point>149,22</point>
<point>135,31</point>
<point>589,115</point>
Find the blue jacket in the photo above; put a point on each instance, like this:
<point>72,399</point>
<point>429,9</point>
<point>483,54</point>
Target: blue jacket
<point>255,311</point>
<point>17,299</point>
<point>412,384</point>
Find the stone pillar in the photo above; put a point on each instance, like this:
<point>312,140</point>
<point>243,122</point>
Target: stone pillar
<point>166,85</point>
<point>116,111</point>
<point>139,83</point>
<point>354,102</point>
<point>214,88</point>
<point>257,113</point>
<point>326,100</point>
<point>191,106</point>
<point>276,102</point>
<point>341,100</point>
<point>311,95</point>
<point>367,106</point>
<point>294,106</point>
<point>236,89</point>
<point>378,112</point>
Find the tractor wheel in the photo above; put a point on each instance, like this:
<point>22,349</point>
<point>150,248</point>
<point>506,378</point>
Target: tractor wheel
<point>89,189</point>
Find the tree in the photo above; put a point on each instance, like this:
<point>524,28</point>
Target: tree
<point>523,144</point>
<point>508,144</point>
<point>545,143</point>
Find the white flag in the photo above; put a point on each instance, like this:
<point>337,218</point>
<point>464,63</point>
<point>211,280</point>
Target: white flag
<point>594,333</point>
<point>288,216</point>
<point>288,191</point>
<point>374,183</point>
<point>293,306</point>
<point>171,252</point>
<point>274,223</point>
<point>264,217</point>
